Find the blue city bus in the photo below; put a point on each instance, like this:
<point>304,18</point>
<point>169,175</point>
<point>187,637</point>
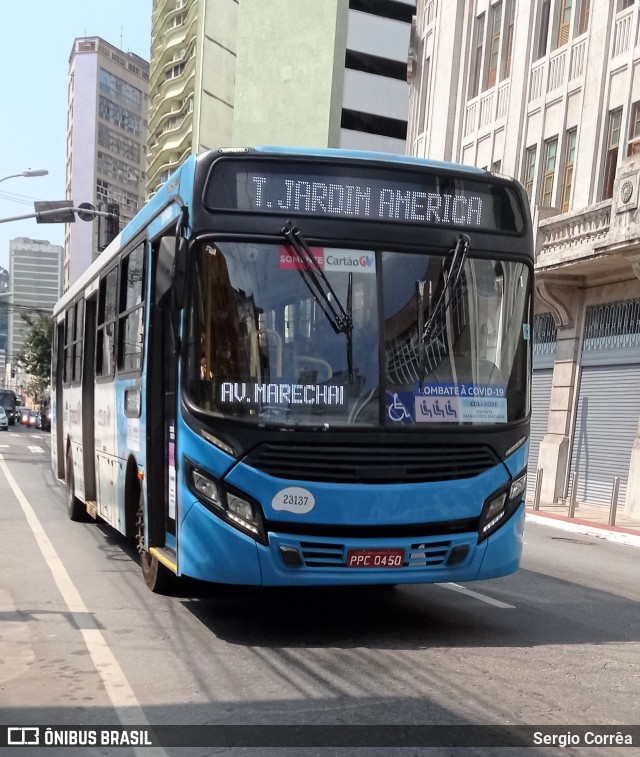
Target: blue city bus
<point>305,367</point>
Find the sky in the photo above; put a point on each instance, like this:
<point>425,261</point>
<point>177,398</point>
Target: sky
<point>37,41</point>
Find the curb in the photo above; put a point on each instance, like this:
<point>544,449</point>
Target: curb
<point>619,536</point>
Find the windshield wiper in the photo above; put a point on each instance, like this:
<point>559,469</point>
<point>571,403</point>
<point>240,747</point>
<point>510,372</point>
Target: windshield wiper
<point>314,277</point>
<point>427,332</point>
<point>317,282</point>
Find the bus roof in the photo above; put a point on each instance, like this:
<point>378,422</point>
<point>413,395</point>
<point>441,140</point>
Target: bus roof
<point>384,157</point>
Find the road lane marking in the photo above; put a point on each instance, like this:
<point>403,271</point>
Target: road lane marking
<point>117,686</point>
<point>34,448</point>
<point>477,595</point>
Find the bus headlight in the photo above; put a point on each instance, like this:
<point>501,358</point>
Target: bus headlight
<point>500,505</point>
<point>241,508</point>
<point>234,507</point>
<point>206,487</point>
<point>518,486</point>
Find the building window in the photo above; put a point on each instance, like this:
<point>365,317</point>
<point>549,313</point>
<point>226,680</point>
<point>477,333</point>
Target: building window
<point>476,58</point>
<point>529,169</point>
<point>583,17</point>
<point>507,46</point>
<point>549,170</point>
<point>622,4</point>
<point>124,118</point>
<point>175,71</point>
<point>568,170</point>
<point>496,166</point>
<point>543,29</point>
<point>495,22</point>
<point>611,159</point>
<point>613,325</point>
<point>564,22</point>
<point>545,334</point>
<point>634,131</point>
<point>177,20</point>
<point>424,94</point>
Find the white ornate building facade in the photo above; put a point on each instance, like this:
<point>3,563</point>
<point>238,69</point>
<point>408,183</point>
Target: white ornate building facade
<point>548,91</point>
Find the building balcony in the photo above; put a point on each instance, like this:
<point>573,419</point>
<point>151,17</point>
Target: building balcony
<point>165,168</point>
<point>568,238</point>
<point>165,14</point>
<point>168,145</point>
<point>560,71</point>
<point>179,37</point>
<point>623,36</point>
<point>602,241</point>
<point>488,110</point>
<point>176,88</point>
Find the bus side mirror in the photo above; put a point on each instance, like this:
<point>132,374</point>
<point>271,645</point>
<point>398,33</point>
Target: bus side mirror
<point>170,273</point>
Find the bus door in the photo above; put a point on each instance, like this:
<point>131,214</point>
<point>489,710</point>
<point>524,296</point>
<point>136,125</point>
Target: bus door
<point>59,365</point>
<point>161,412</point>
<point>88,401</point>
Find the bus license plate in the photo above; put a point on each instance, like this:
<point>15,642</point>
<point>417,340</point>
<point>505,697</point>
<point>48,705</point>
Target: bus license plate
<point>375,558</point>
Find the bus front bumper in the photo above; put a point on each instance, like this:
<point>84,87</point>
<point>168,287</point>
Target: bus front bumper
<point>211,550</point>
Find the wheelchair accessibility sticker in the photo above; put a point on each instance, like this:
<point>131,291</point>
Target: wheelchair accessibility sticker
<point>400,407</point>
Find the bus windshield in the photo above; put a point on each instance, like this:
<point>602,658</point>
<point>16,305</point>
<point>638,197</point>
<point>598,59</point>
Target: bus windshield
<point>433,338</point>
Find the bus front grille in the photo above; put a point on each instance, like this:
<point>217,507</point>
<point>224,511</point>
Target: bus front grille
<point>371,464</point>
<point>421,555</point>
<point>317,555</point>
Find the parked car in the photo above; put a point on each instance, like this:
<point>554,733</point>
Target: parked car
<point>4,420</point>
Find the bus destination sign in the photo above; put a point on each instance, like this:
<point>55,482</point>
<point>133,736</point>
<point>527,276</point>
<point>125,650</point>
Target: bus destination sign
<point>364,193</point>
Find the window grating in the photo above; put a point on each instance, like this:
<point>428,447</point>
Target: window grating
<point>545,334</point>
<point>613,326</point>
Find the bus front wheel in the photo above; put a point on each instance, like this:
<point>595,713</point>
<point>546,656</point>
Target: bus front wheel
<point>75,507</point>
<point>157,577</point>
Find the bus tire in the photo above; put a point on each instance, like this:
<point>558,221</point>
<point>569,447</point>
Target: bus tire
<point>75,508</point>
<point>157,577</point>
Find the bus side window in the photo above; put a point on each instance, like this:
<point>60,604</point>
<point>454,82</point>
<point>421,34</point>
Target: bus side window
<point>78,336</point>
<point>106,324</point>
<point>131,311</point>
<point>68,346</point>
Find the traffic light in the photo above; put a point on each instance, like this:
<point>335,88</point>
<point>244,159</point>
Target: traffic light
<point>108,226</point>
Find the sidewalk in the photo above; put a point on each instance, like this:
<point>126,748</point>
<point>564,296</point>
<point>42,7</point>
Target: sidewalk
<point>592,520</point>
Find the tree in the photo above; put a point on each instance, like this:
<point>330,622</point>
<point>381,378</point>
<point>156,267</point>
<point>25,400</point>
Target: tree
<point>35,356</point>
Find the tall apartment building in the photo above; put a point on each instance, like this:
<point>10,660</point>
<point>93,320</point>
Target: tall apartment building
<point>192,75</point>
<point>35,285</point>
<point>106,140</point>
<point>323,74</point>
<point>549,91</point>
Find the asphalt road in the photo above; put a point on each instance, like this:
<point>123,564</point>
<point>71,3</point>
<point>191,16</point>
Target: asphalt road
<point>83,641</point>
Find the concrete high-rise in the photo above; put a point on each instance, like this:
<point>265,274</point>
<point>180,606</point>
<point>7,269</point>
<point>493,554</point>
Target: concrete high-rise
<point>322,74</point>
<point>35,285</point>
<point>106,141</point>
<point>191,81</point>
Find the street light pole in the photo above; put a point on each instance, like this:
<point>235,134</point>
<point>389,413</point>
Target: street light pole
<point>28,173</point>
